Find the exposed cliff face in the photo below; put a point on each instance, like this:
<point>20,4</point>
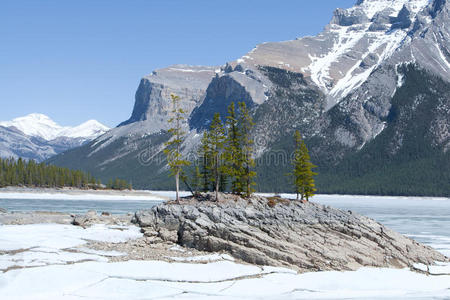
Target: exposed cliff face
<point>220,93</point>
<point>153,103</point>
<point>337,88</point>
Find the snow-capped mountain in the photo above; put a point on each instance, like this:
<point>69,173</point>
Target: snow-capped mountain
<point>39,125</point>
<point>36,136</point>
<point>371,91</point>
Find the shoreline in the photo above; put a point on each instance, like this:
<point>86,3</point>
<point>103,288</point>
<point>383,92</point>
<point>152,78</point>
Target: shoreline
<point>77,194</point>
<point>68,193</point>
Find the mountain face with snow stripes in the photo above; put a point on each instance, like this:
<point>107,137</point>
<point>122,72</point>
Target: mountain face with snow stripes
<point>37,137</point>
<point>342,89</point>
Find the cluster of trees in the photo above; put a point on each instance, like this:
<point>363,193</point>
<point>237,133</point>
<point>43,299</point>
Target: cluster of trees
<point>225,157</point>
<point>19,172</point>
<point>119,184</point>
<point>29,173</point>
<point>302,173</point>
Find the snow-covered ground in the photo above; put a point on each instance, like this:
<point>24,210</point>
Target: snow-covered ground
<point>42,264</point>
<point>217,280</point>
<point>49,244</point>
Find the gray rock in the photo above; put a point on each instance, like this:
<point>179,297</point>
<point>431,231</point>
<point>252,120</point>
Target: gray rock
<point>308,236</point>
<point>84,220</point>
<point>91,213</point>
<point>39,217</point>
<point>153,99</point>
<point>168,235</point>
<point>344,17</point>
<point>3,211</point>
<point>403,20</point>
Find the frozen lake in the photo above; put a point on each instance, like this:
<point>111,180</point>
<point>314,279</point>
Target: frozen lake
<point>77,206</point>
<point>426,220</point>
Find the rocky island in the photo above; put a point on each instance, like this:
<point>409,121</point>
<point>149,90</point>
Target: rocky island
<point>279,232</point>
<point>265,231</point>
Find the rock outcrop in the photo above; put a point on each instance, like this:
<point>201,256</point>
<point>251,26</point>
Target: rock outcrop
<point>279,232</point>
<point>92,217</point>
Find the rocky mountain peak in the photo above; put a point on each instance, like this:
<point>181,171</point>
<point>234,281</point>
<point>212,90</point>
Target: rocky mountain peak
<point>372,7</point>
<point>41,126</point>
<point>153,102</point>
<point>36,136</point>
<point>338,88</point>
<point>437,6</point>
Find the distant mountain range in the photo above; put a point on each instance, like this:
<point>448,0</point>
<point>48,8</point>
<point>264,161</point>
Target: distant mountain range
<point>370,94</point>
<point>37,137</point>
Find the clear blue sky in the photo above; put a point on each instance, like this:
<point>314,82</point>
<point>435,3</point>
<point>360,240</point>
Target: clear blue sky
<point>79,60</point>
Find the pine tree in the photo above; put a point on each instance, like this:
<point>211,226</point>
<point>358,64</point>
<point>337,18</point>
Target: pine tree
<point>217,141</point>
<point>248,163</point>
<point>233,151</point>
<point>196,180</point>
<point>29,173</point>
<point>309,183</point>
<point>223,180</point>
<point>302,170</point>
<point>173,146</point>
<point>204,158</point>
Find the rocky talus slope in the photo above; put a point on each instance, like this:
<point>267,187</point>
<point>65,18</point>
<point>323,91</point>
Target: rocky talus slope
<point>279,232</point>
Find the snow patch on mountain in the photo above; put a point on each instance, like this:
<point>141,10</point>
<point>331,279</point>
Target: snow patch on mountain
<point>372,7</point>
<point>89,130</point>
<point>384,45</point>
<point>320,67</point>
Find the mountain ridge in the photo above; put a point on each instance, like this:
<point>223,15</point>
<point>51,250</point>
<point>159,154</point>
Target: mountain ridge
<point>338,88</point>
<point>36,136</point>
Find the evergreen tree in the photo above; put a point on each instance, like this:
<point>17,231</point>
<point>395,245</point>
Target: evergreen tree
<point>246,142</point>
<point>217,141</point>
<point>302,170</point>
<point>204,158</point>
<point>116,184</point>
<point>29,173</point>
<point>233,151</point>
<point>223,180</point>
<point>173,146</point>
<point>110,184</point>
<point>197,180</point>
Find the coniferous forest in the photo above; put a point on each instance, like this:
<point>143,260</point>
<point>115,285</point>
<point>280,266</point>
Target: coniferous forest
<point>32,174</point>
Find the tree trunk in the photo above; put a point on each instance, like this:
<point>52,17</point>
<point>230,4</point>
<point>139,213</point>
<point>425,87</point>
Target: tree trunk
<point>297,196</point>
<point>217,178</point>
<point>217,190</point>
<point>177,185</point>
